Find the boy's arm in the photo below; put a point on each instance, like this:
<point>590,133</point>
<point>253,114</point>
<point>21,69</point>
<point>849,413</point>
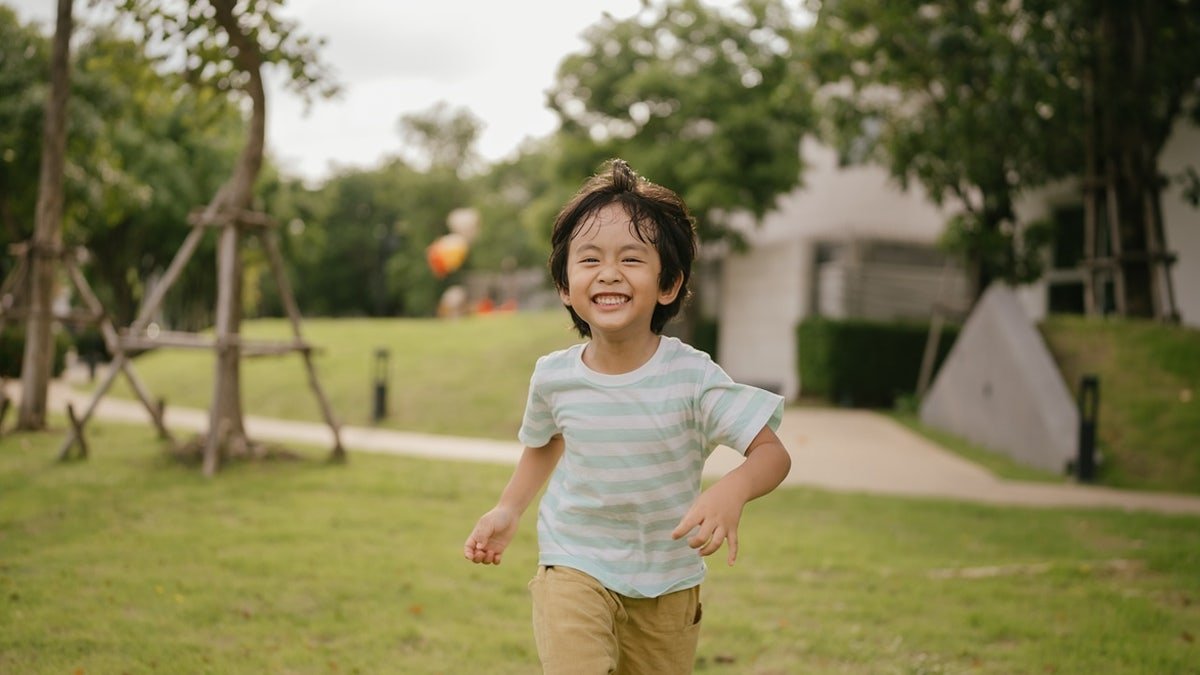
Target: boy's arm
<point>718,509</point>
<point>497,527</point>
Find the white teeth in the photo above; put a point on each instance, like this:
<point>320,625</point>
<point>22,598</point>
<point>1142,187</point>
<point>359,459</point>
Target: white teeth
<point>609,300</point>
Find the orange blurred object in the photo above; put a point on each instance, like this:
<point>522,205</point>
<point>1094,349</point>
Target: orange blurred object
<point>446,254</point>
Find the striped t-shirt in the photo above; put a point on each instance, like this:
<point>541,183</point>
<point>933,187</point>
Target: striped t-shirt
<point>635,444</point>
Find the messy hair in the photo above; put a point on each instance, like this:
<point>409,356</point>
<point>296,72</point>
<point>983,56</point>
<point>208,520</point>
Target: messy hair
<point>657,217</point>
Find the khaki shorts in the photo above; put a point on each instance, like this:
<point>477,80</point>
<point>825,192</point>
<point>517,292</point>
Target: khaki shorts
<point>582,628</point>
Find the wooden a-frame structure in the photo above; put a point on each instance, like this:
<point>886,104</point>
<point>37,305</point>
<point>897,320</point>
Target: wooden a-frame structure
<point>15,307</point>
<point>231,226</point>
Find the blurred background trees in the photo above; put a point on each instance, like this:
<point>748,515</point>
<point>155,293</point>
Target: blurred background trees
<point>977,103</point>
<point>981,102</point>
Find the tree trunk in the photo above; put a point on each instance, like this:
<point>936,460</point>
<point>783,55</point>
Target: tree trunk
<point>1130,145</point>
<point>47,238</point>
<point>226,426</point>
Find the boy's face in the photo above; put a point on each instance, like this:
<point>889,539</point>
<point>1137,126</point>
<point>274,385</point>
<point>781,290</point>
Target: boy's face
<point>612,276</point>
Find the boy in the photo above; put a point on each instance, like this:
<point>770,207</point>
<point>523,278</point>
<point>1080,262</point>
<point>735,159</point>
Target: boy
<point>624,423</point>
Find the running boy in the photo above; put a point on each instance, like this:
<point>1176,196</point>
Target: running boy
<point>621,426</point>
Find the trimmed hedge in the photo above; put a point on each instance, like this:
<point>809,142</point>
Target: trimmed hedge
<point>867,364</point>
<point>12,352</point>
<point>704,336</point>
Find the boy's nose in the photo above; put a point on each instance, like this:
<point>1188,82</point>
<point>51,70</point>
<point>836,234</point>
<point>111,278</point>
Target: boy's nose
<point>609,274</point>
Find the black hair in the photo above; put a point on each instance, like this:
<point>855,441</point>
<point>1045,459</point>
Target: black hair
<point>657,217</point>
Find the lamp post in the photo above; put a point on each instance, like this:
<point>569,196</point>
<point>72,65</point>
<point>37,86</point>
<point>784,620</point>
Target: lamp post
<point>1089,405</point>
<point>380,377</point>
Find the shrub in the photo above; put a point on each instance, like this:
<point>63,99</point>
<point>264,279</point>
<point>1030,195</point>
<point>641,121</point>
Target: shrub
<point>12,351</point>
<point>864,363</point>
<point>89,344</point>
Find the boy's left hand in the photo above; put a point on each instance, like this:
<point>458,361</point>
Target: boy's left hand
<point>715,517</point>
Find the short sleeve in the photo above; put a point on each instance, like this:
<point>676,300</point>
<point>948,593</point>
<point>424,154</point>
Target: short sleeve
<point>537,425</point>
<point>732,414</point>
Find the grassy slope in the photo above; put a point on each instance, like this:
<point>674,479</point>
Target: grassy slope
<point>129,563</point>
<point>1149,416</point>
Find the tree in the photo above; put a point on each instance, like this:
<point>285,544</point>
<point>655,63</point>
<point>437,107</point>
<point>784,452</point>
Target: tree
<point>711,103</point>
<point>1140,69</point>
<point>227,45</point>
<point>146,148</point>
<point>963,98</point>
<point>47,238</point>
<point>981,102</point>
<point>24,62</point>
<point>444,138</point>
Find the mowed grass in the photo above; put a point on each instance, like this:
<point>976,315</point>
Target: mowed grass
<point>1148,426</point>
<point>466,377</point>
<point>132,563</point>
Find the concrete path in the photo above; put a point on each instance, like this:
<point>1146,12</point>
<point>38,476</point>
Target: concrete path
<point>846,450</point>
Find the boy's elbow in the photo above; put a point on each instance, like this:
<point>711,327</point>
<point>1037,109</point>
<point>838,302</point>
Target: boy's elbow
<point>785,462</point>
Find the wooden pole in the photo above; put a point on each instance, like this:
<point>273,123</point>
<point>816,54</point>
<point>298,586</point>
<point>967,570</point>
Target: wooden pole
<point>72,435</point>
<point>113,343</point>
<point>219,425</point>
<point>47,238</point>
<point>150,306</point>
<point>77,430</point>
<point>271,246</point>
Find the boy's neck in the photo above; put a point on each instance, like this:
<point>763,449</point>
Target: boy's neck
<point>615,356</point>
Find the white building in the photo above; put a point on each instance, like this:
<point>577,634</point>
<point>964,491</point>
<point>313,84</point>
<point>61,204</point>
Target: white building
<point>851,243</point>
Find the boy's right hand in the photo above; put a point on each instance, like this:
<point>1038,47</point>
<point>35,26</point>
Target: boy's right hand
<point>491,536</point>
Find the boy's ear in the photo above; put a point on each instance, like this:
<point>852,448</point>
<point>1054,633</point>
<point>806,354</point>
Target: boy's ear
<point>565,295</point>
<point>668,296</point>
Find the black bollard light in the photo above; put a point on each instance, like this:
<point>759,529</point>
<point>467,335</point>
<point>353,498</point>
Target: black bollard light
<point>379,410</point>
<point>1089,406</point>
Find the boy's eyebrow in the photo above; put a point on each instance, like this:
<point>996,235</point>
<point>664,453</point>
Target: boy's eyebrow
<point>634,246</point>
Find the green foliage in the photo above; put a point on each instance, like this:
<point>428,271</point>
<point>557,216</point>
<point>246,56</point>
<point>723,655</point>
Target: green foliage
<point>705,335</point>
<point>1016,258</point>
<point>12,351</point>
<point>976,102</point>
<point>445,138</point>
<point>358,246</point>
<point>864,363</point>
<point>711,103</point>
<point>24,62</point>
<point>143,150</point>
<point>130,563</point>
<point>89,344</point>
<point>982,102</point>
<point>160,149</point>
<point>190,31</point>
<point>1148,425</point>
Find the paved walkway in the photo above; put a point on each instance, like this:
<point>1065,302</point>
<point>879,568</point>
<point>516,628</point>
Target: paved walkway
<point>847,450</point>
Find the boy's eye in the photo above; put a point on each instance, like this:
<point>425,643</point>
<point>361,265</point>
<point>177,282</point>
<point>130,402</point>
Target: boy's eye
<point>632,260</point>
<point>589,260</point>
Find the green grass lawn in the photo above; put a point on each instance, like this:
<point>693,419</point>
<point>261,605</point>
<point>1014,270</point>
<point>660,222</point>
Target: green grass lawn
<point>131,563</point>
<point>1148,425</point>
<point>470,377</point>
<point>465,377</point>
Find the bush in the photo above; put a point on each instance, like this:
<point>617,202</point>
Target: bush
<point>12,352</point>
<point>704,336</point>
<point>89,344</point>
<point>864,363</point>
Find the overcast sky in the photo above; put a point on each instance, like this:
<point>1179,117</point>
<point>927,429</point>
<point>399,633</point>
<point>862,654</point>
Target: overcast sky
<point>394,57</point>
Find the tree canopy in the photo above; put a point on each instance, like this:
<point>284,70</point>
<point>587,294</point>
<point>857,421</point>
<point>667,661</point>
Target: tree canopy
<point>710,102</point>
<point>982,102</point>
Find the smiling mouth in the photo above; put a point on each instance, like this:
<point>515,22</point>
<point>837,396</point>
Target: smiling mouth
<point>610,300</point>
